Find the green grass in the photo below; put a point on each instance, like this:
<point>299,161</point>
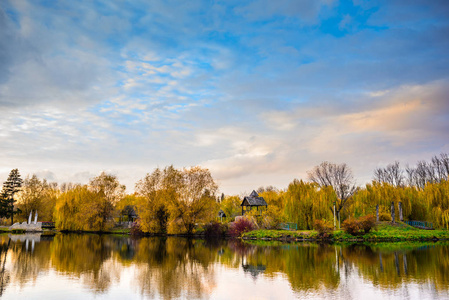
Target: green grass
<point>119,231</point>
<point>280,234</point>
<point>384,231</point>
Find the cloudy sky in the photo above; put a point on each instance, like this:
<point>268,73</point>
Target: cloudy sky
<point>259,92</point>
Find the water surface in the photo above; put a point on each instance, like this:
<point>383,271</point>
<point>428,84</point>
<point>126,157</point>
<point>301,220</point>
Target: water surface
<point>89,266</point>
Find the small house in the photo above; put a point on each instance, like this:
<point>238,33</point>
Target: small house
<point>251,201</point>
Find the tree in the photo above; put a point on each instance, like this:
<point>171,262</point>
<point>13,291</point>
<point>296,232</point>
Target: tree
<point>231,206</point>
<point>32,195</point>
<point>156,190</point>
<point>392,174</point>
<point>339,177</point>
<point>109,191</point>
<point>176,200</point>
<point>108,186</point>
<point>11,187</point>
<point>434,171</point>
<point>196,199</point>
<point>305,202</point>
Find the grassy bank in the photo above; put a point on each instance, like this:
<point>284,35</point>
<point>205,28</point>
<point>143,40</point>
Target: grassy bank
<point>384,231</point>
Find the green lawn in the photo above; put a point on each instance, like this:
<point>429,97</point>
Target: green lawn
<point>384,231</point>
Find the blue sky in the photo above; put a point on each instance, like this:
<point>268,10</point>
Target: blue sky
<point>259,92</point>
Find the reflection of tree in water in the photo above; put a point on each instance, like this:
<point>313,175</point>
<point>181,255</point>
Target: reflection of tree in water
<point>4,275</point>
<point>125,247</point>
<point>26,262</point>
<point>307,266</point>
<point>83,255</point>
<point>174,267</point>
<point>393,265</point>
<point>182,268</point>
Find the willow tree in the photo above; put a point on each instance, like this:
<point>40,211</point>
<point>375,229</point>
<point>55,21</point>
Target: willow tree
<point>175,200</point>
<point>196,200</point>
<point>435,196</point>
<point>305,202</point>
<point>231,206</point>
<point>108,191</point>
<point>339,177</point>
<point>155,191</point>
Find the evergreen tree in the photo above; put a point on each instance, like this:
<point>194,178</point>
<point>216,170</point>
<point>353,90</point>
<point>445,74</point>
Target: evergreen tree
<point>10,187</point>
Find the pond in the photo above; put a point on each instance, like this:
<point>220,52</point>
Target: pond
<point>89,266</point>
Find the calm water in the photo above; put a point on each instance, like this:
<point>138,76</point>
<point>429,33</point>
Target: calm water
<point>88,266</point>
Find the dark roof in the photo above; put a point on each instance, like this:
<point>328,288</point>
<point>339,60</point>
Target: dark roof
<point>254,200</point>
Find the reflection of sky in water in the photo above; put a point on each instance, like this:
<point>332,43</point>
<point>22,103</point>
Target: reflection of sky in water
<point>177,269</point>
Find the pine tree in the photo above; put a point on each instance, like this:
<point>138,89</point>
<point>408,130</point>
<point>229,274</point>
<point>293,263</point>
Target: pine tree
<point>10,187</point>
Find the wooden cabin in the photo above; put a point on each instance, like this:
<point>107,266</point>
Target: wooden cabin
<point>251,201</point>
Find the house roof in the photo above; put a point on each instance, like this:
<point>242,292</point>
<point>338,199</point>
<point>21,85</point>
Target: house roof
<point>253,200</point>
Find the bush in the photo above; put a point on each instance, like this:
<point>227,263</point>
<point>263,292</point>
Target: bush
<point>214,229</point>
<point>324,228</point>
<point>359,226</point>
<point>351,226</point>
<point>135,229</point>
<point>241,226</point>
<point>385,217</point>
<point>367,223</point>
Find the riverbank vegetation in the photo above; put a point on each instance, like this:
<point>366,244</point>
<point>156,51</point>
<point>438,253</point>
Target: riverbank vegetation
<point>382,231</point>
<point>185,201</point>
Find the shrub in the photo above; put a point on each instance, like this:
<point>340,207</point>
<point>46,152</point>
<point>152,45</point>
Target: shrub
<point>214,229</point>
<point>385,217</point>
<point>367,223</point>
<point>241,226</point>
<point>359,226</point>
<point>351,226</point>
<point>323,227</point>
<point>135,229</point>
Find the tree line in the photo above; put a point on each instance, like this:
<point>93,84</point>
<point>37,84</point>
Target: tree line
<point>172,200</point>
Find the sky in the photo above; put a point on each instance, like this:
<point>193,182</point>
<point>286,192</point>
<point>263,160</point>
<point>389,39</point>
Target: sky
<point>259,92</point>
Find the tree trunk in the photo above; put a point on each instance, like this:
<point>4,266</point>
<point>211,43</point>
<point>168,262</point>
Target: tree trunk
<point>339,221</point>
<point>401,218</point>
<point>392,212</point>
<point>12,211</point>
<point>377,213</point>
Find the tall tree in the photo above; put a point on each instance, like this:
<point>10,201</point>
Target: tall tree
<point>392,175</point>
<point>11,187</point>
<point>196,199</point>
<point>339,177</point>
<point>108,191</point>
<point>175,200</point>
<point>156,190</point>
<point>38,195</point>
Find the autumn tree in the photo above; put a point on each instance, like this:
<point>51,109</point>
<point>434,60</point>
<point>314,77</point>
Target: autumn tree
<point>196,199</point>
<point>391,174</point>
<point>424,172</point>
<point>339,177</point>
<point>126,206</point>
<point>175,200</point>
<point>89,207</point>
<point>10,188</point>
<point>109,190</point>
<point>81,209</point>
<point>305,202</point>
<point>37,195</point>
<point>156,191</point>
<point>231,206</point>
